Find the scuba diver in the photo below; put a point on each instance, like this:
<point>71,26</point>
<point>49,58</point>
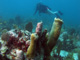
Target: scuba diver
<point>41,8</point>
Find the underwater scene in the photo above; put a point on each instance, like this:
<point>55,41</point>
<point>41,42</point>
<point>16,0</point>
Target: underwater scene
<point>39,30</point>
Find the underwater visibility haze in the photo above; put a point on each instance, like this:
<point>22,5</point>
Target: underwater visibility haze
<point>39,30</point>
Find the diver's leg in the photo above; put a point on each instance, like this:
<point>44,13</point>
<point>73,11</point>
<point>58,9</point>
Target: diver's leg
<point>51,12</point>
<point>54,13</point>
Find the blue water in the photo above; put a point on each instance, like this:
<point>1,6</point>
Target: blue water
<point>25,8</point>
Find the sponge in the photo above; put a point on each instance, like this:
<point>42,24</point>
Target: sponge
<point>55,32</point>
<point>32,48</point>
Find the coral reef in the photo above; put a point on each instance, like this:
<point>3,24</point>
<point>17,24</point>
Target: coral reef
<point>15,43</point>
<point>23,45</point>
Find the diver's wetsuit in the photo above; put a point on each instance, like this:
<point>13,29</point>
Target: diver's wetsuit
<point>45,9</point>
<point>41,8</point>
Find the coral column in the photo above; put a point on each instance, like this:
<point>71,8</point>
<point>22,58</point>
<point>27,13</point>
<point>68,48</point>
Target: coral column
<point>55,32</point>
